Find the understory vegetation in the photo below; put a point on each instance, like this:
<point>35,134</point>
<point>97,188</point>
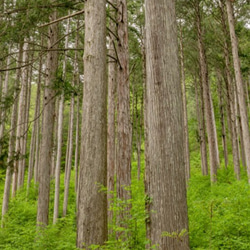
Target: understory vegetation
<point>218,216</point>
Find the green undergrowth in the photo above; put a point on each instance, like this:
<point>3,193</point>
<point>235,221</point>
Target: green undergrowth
<point>219,216</point>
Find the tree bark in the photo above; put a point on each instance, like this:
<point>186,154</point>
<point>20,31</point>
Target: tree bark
<point>4,93</point>
<point>239,87</point>
<point>20,143</point>
<point>201,128</point>
<point>210,126</point>
<point>112,85</point>
<point>92,203</point>
<point>184,101</point>
<point>68,164</point>
<point>165,170</point>
<point>222,119</point>
<point>47,128</point>
<point>230,95</point>
<point>11,150</point>
<point>123,107</point>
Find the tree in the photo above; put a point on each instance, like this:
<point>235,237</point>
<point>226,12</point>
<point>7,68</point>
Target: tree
<point>45,159</point>
<point>165,171</point>
<point>92,203</point>
<point>239,86</point>
<point>123,105</point>
<point>209,112</point>
<point>112,85</point>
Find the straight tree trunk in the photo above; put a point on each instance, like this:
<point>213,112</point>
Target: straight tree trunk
<point>47,127</point>
<point>22,119</point>
<point>112,84</point>
<point>211,133</point>
<point>202,128</point>
<point>4,93</point>
<point>59,139</point>
<point>92,203</point>
<point>186,147</point>
<point>222,119</point>
<point>123,174</point>
<point>230,95</point>
<point>11,150</point>
<point>165,170</point>
<point>34,137</point>
<point>38,123</point>
<point>77,129</point>
<point>239,87</point>
<point>17,130</point>
<point>70,143</point>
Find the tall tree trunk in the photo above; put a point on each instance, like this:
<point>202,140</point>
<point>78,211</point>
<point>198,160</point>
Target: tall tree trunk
<point>22,120</point>
<point>230,95</point>
<point>211,133</point>
<point>12,138</point>
<point>201,127</point>
<point>165,172</point>
<point>222,118</point>
<point>123,106</point>
<point>3,102</point>
<point>92,204</point>
<point>47,127</point>
<point>38,122</point>
<point>186,146</point>
<point>68,164</point>
<point>77,129</point>
<point>17,122</point>
<point>239,87</point>
<point>60,138</point>
<point>34,137</point>
<point>112,84</point>
<point>58,158</point>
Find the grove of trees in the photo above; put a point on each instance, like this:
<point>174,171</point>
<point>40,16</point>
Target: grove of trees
<point>124,124</point>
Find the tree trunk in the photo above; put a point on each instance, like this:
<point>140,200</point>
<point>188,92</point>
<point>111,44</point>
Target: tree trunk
<point>201,128</point>
<point>165,170</point>
<point>47,128</point>
<point>92,203</point>
<point>4,93</point>
<point>186,147</point>
<point>20,142</point>
<point>239,87</point>
<point>222,119</point>
<point>77,84</point>
<point>11,150</point>
<point>15,163</point>
<point>211,133</point>
<point>38,122</point>
<point>68,164</point>
<point>230,95</point>
<point>112,84</point>
<point>123,107</point>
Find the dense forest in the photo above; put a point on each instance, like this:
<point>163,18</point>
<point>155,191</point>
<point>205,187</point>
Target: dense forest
<point>124,124</point>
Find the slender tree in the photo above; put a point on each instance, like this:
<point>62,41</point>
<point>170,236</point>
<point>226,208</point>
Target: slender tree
<point>209,112</point>
<point>112,84</point>
<point>165,172</point>
<point>45,159</point>
<point>239,87</point>
<point>123,106</point>
<point>92,204</point>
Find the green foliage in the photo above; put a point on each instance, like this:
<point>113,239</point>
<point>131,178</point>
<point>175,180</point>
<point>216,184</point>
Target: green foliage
<point>219,214</point>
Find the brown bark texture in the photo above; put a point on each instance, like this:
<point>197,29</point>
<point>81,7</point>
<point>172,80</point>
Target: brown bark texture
<point>46,150</point>
<point>165,170</point>
<point>92,203</point>
<point>239,88</point>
